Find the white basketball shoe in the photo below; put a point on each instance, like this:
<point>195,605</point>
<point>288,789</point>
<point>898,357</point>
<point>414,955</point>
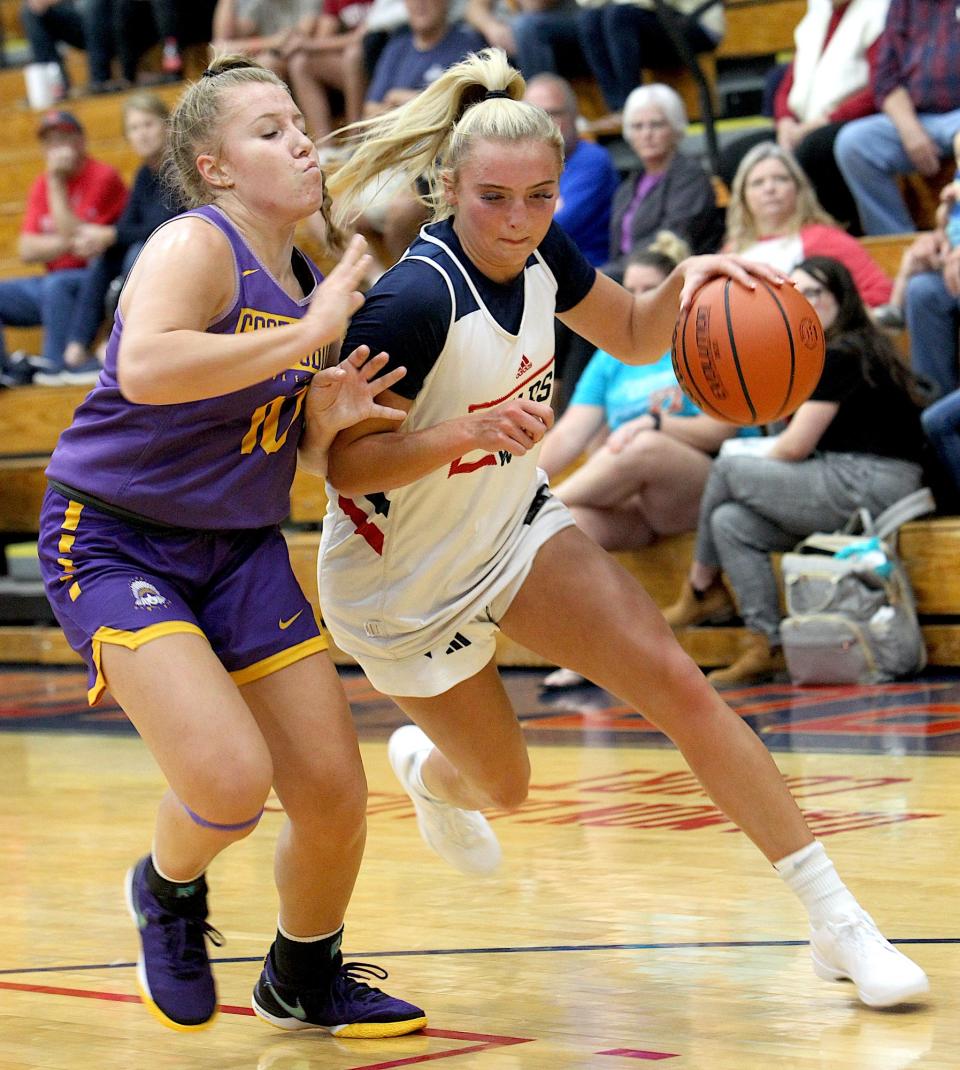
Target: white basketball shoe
<point>853,949</point>
<point>463,838</point>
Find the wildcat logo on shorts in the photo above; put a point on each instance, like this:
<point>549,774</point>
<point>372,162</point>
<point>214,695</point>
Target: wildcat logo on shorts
<point>146,596</point>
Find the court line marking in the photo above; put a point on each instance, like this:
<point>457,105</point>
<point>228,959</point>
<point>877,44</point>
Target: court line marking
<point>536,950</point>
<point>477,1041</point>
<point>634,1053</point>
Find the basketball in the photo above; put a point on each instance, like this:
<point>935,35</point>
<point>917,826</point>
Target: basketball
<point>748,356</point>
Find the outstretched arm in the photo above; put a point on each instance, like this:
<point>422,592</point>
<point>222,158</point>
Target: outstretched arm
<point>637,329</point>
<point>182,281</point>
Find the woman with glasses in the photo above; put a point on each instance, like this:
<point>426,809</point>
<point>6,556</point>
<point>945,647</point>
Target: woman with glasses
<point>857,442</point>
<point>669,191</point>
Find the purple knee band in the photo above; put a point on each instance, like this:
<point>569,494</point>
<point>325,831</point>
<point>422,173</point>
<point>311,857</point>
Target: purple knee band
<point>216,826</point>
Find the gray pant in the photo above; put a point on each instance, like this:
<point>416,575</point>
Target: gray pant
<point>752,506</point>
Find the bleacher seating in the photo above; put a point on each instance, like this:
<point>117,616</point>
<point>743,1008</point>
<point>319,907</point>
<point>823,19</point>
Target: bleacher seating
<point>31,419</point>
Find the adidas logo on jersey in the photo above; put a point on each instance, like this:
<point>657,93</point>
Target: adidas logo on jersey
<point>525,366</point>
<point>458,642</point>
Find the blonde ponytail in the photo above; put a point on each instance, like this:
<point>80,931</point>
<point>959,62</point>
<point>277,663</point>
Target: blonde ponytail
<point>431,133</point>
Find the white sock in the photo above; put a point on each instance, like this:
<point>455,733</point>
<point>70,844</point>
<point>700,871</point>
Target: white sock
<point>170,880</point>
<point>417,780</point>
<point>811,876</point>
<point>306,939</point>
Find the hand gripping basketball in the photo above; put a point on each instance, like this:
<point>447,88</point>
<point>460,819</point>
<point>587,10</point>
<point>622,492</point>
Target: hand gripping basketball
<point>748,356</point>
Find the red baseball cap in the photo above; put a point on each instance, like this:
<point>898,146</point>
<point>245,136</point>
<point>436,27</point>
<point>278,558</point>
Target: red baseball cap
<point>59,120</point>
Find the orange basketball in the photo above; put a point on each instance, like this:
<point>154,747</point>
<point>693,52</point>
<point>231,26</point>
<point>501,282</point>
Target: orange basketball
<point>748,356</point>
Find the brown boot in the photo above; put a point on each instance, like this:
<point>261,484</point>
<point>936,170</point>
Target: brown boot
<point>757,662</point>
<point>712,606</point>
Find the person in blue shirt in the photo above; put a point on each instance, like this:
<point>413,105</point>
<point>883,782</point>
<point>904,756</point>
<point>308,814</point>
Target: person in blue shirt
<point>587,185</point>
<point>588,180</point>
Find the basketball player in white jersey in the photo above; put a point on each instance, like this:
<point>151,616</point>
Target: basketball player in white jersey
<point>443,531</point>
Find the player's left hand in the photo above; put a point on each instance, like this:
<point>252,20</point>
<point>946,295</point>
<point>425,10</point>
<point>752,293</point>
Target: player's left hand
<point>697,270</point>
<point>343,396</point>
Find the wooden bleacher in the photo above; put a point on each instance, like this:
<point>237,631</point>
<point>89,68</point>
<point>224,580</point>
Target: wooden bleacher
<point>759,27</point>
<point>31,419</point>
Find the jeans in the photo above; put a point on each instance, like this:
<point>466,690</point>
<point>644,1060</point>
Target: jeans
<point>941,421</point>
<point>933,318</point>
<point>42,300</point>
<point>90,29</point>
<point>752,506</point>
<point>870,155</point>
<point>620,41</point>
<point>548,42</point>
<point>89,309</point>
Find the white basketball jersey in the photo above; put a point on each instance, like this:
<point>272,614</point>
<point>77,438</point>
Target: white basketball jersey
<point>397,568</point>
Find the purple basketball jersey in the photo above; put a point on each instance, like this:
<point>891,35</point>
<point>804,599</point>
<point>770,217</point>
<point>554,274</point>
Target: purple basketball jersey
<point>225,462</point>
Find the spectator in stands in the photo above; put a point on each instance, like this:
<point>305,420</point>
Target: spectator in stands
<point>645,480</point>
<point>316,65</point>
<point>73,191</point>
<point>670,191</point>
<point>414,57</point>
<point>933,318</point>
<point>856,443</point>
<point>541,36</point>
<point>115,247</point>
<point>917,87</point>
<point>941,421</point>
<point>623,39</point>
<point>774,217</point>
<point>383,18</point>
<point>263,29</point>
<point>137,27</point>
<point>928,254</point>
<point>89,27</point>
<point>827,83</point>
<point>417,54</point>
<point>588,182</point>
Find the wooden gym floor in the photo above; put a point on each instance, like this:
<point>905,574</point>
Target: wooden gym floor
<point>631,922</point>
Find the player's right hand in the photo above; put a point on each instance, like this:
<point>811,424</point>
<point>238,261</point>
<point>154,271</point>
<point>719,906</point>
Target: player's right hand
<point>514,426</point>
<point>337,297</point>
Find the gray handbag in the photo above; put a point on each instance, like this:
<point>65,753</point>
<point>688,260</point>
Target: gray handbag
<point>851,615</point>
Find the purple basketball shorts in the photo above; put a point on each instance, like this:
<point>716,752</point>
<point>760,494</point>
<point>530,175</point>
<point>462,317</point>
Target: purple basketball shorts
<point>109,581</point>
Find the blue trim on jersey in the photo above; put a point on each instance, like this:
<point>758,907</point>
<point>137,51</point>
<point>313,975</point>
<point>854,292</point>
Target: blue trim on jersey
<point>408,313</point>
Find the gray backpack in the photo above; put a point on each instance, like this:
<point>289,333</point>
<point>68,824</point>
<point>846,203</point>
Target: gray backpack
<point>851,617</point>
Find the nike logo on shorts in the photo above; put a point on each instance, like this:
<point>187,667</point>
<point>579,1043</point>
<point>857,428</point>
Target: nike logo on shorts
<point>284,624</point>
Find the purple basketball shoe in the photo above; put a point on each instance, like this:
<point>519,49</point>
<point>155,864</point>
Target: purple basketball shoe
<point>345,1006</point>
<point>173,969</point>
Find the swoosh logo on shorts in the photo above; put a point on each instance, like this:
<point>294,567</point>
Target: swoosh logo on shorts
<point>284,624</point>
<point>296,1010</point>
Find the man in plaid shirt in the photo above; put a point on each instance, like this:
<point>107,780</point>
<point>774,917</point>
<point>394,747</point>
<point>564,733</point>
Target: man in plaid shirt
<point>917,88</point>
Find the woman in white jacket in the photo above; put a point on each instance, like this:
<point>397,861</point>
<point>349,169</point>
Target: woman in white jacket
<point>828,83</point>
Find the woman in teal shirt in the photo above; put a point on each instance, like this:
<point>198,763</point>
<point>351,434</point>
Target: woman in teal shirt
<point>646,478</point>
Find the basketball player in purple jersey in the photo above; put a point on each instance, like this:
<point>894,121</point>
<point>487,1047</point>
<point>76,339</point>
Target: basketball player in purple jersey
<point>456,492</point>
<point>166,567</point>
